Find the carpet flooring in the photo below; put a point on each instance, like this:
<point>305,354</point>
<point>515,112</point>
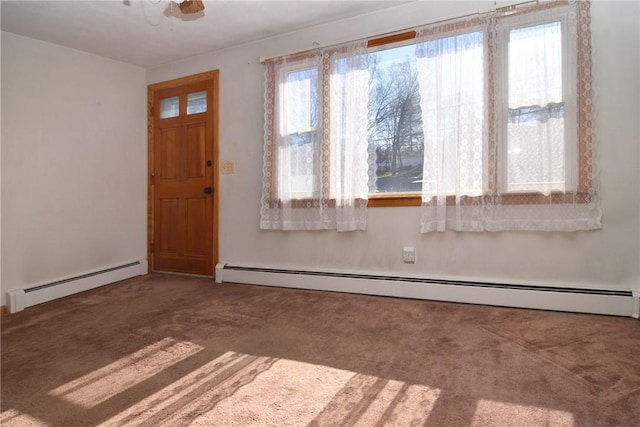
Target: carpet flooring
<point>163,350</point>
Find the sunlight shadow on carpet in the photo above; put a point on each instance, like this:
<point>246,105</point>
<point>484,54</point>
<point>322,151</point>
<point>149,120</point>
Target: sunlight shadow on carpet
<point>370,401</point>
<point>104,383</point>
<point>252,390</point>
<point>14,417</point>
<point>490,413</point>
<point>242,389</point>
<point>196,393</point>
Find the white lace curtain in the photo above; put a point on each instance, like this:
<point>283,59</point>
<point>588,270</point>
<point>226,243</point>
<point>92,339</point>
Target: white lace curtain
<point>506,105</point>
<point>315,157</point>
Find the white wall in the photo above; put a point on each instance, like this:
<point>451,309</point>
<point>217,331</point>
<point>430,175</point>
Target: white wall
<point>73,162</point>
<point>607,258</point>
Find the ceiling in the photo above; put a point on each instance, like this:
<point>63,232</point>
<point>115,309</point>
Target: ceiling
<point>153,32</point>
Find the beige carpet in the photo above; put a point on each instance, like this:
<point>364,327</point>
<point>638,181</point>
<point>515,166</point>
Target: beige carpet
<point>171,351</point>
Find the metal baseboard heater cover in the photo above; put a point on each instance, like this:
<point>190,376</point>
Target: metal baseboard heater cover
<point>19,299</point>
<point>581,300</point>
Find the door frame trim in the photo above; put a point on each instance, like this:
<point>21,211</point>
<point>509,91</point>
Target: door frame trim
<point>214,76</point>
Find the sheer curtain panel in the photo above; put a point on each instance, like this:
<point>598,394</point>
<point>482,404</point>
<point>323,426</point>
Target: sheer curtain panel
<point>507,114</point>
<point>315,173</point>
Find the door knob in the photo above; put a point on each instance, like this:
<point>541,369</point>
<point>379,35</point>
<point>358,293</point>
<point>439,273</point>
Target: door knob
<point>208,190</point>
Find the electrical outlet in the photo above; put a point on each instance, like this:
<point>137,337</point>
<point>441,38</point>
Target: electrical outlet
<point>409,254</point>
<point>228,167</point>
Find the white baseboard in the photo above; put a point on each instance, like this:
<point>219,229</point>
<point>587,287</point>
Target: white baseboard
<point>595,301</point>
<point>19,299</point>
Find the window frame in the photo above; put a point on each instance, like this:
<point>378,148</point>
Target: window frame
<point>305,64</point>
<point>580,37</point>
<point>569,95</point>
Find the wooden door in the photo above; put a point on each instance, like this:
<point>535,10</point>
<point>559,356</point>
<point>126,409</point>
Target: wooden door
<point>182,179</point>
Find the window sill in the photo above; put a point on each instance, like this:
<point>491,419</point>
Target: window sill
<point>415,199</point>
<point>394,200</point>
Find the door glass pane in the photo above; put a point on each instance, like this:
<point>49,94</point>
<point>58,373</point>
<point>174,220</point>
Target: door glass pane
<point>169,107</point>
<point>197,102</point>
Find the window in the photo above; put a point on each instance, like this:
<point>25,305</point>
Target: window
<point>298,112</point>
<point>174,106</point>
<point>169,107</point>
<point>197,102</point>
<point>395,120</point>
<point>539,137</point>
<point>488,110</point>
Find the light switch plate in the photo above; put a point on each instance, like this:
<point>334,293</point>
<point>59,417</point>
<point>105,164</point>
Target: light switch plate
<point>228,167</point>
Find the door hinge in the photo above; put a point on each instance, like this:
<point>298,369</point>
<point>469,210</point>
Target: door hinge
<point>152,179</point>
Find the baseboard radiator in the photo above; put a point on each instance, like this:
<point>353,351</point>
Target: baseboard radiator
<point>595,301</point>
<point>19,299</point>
